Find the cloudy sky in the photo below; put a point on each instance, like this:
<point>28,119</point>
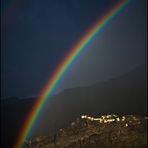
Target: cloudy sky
<point>37,34</point>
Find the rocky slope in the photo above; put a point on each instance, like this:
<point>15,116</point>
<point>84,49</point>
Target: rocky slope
<point>108,131</point>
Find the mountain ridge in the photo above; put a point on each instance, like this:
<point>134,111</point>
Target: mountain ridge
<point>124,95</point>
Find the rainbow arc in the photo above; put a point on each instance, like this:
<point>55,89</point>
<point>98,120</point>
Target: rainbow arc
<point>51,84</point>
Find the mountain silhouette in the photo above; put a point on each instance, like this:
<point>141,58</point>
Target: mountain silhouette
<point>126,94</point>
<point>123,95</point>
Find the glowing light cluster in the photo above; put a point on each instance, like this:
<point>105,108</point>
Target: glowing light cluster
<point>105,118</point>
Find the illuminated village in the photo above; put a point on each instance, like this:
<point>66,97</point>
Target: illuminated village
<point>91,132</point>
<point>105,119</point>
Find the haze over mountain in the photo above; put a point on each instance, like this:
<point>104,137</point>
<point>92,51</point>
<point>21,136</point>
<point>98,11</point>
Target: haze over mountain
<point>123,95</point>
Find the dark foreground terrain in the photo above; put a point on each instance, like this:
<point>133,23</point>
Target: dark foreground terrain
<point>109,131</point>
<point>126,94</point>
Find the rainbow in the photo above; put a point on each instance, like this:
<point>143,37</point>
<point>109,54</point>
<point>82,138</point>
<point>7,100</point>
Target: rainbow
<point>67,62</point>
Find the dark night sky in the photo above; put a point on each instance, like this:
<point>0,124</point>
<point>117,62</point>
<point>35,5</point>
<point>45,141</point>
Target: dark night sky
<point>36,34</point>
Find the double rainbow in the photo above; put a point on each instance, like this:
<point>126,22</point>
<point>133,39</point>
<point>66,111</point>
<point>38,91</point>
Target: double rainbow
<point>50,87</point>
